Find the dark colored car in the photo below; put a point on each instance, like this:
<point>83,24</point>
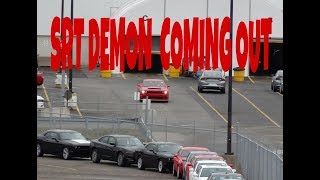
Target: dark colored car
<point>212,79</point>
<point>276,81</point>
<point>225,176</point>
<point>66,143</point>
<point>119,148</point>
<point>158,155</point>
<point>154,89</point>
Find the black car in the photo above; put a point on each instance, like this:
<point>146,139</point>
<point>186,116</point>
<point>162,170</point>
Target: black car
<point>119,148</point>
<point>65,143</point>
<point>158,155</point>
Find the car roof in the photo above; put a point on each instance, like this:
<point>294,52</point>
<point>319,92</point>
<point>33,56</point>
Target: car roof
<point>119,135</point>
<point>214,166</point>
<point>211,160</point>
<point>60,130</point>
<point>194,148</point>
<point>153,80</point>
<point>226,173</point>
<point>159,142</point>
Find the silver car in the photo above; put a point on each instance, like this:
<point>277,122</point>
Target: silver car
<point>276,81</point>
<point>212,79</point>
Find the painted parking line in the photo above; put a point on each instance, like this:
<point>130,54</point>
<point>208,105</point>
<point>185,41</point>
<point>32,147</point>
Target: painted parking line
<point>251,79</point>
<point>124,77</point>
<point>165,77</point>
<point>61,167</point>
<point>46,94</point>
<point>279,94</point>
<point>209,104</point>
<point>256,107</point>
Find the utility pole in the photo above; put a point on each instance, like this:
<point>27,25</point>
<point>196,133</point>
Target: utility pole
<point>70,70</point>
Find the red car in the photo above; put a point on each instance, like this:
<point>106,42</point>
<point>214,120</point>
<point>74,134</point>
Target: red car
<point>39,78</point>
<point>154,89</point>
<point>181,156</point>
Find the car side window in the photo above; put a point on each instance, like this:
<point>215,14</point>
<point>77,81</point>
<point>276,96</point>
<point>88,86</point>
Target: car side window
<point>104,139</point>
<point>48,135</point>
<point>54,135</point>
<point>111,140</point>
<point>151,147</point>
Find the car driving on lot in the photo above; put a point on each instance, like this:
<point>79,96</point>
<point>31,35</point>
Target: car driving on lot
<point>212,79</point>
<point>158,155</point>
<point>181,156</point>
<point>65,143</point>
<point>276,81</point>
<point>119,148</point>
<point>154,89</point>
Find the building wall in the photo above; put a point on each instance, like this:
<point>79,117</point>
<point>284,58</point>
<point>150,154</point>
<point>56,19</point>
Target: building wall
<point>177,10</point>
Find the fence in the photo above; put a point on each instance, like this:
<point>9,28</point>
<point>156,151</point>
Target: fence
<point>254,161</point>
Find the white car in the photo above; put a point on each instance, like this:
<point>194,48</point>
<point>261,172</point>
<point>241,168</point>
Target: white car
<point>192,171</point>
<point>40,103</point>
<point>204,171</point>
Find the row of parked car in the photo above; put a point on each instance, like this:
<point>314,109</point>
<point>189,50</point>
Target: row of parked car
<point>188,163</point>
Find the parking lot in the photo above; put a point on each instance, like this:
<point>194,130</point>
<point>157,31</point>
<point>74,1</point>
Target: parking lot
<point>257,112</point>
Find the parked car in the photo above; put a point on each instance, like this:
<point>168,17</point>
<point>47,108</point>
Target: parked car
<point>40,103</point>
<point>276,81</point>
<point>158,155</point>
<point>154,89</point>
<point>191,155</point>
<point>212,79</point>
<point>225,176</point>
<point>192,169</point>
<point>39,78</point>
<point>66,143</point>
<point>195,159</point>
<point>181,156</point>
<point>119,148</point>
<point>204,171</point>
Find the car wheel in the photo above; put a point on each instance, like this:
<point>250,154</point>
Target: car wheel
<point>178,174</point>
<point>274,89</point>
<point>174,172</point>
<point>120,160</point>
<point>140,163</point>
<point>161,169</point>
<point>271,86</point>
<point>223,90</point>
<point>66,153</point>
<point>95,156</point>
<point>39,150</point>
<point>199,89</point>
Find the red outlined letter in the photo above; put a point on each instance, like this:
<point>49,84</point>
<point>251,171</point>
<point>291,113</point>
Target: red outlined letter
<point>165,56</point>
<point>93,31</point>
<point>67,46</point>
<point>242,33</point>
<point>55,43</point>
<point>145,44</point>
<point>104,58</point>
<point>176,34</point>
<point>78,30</point>
<point>266,29</point>
<point>225,58</point>
<point>131,35</point>
<point>213,43</point>
<point>254,59</point>
<point>117,45</point>
<point>191,46</point>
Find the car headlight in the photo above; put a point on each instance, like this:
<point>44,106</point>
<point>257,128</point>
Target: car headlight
<point>165,92</point>
<point>143,91</point>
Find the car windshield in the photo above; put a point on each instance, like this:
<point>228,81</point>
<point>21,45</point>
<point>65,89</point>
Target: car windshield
<point>206,172</point>
<point>226,176</point>
<point>128,141</point>
<point>71,136</point>
<point>153,84</point>
<point>170,148</point>
<point>213,74</point>
<point>185,153</point>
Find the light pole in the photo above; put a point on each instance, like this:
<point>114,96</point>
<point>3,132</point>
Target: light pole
<point>230,87</point>
<point>70,70</point>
